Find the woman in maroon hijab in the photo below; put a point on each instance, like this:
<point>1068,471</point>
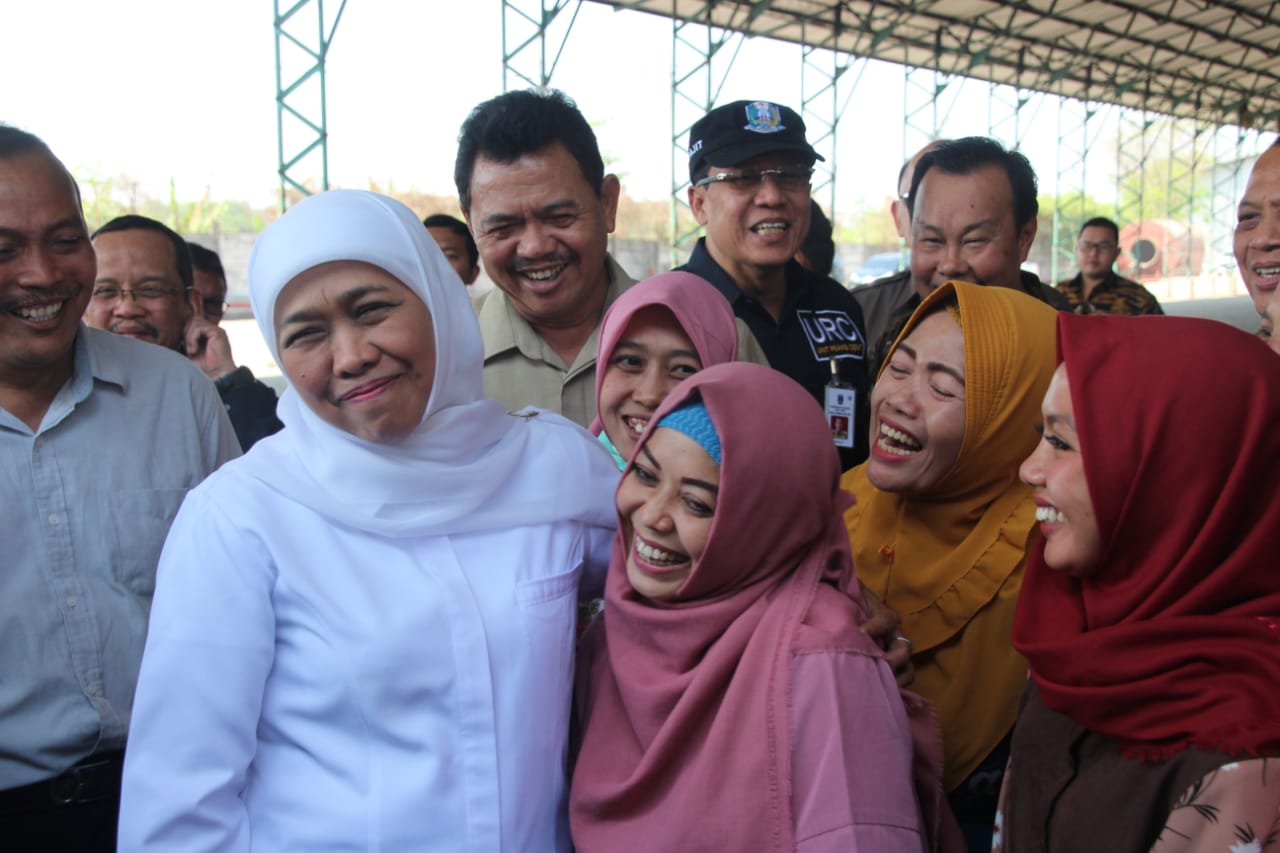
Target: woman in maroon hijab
<point>1150,613</point>
<point>727,697</point>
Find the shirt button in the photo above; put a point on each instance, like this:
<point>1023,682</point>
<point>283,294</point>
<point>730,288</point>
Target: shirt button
<point>886,551</point>
<point>72,601</point>
<point>53,519</point>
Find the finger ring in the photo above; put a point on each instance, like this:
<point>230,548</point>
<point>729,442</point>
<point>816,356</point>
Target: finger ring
<point>905,640</point>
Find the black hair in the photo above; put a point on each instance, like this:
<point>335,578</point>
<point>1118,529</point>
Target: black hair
<point>818,247</point>
<point>514,124</point>
<point>134,222</point>
<point>15,141</point>
<point>206,260</point>
<point>1103,222</point>
<point>968,155</point>
<point>457,226</point>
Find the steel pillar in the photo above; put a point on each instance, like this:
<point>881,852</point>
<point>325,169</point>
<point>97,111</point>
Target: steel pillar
<point>302,130</point>
<point>526,25</point>
<point>702,56</point>
<point>825,92</point>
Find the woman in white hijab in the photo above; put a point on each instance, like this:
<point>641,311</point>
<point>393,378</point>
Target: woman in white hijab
<point>362,631</point>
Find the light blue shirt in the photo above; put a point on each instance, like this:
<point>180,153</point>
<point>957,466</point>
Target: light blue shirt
<point>88,498</point>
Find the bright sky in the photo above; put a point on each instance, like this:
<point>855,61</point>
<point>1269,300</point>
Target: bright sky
<point>184,90</point>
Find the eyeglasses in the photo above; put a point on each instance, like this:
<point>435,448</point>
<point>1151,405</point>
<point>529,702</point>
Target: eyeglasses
<point>790,179</point>
<point>147,295</point>
<point>1090,246</point>
<point>215,308</point>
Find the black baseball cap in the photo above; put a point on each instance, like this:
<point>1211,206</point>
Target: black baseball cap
<point>734,133</point>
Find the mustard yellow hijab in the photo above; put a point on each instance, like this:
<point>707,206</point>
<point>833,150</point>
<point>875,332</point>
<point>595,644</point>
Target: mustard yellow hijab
<point>950,562</point>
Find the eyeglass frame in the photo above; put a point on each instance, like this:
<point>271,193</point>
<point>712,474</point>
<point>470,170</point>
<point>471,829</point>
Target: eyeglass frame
<point>757,177</point>
<point>132,293</point>
<point>1096,246</point>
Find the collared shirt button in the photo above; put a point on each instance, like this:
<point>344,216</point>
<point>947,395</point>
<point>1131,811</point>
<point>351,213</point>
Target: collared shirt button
<point>72,601</point>
<point>53,519</point>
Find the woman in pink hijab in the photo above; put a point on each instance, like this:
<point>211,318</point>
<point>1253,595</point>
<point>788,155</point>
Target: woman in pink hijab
<point>727,697</point>
<point>657,334</point>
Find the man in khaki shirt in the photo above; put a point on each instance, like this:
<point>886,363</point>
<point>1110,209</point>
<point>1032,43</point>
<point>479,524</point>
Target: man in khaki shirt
<point>532,186</point>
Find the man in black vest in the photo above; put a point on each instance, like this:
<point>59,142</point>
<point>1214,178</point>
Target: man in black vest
<point>749,170</point>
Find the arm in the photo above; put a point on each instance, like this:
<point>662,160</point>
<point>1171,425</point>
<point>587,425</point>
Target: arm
<point>209,651</point>
<point>851,758</point>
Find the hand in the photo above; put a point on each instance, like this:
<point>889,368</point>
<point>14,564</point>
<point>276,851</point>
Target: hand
<point>209,347</point>
<point>882,626</point>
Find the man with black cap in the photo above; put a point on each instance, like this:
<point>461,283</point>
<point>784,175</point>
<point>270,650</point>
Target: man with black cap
<point>749,170</point>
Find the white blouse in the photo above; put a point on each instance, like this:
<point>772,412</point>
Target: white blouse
<point>311,687</point>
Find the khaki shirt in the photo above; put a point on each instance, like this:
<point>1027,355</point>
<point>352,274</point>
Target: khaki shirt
<point>520,369</point>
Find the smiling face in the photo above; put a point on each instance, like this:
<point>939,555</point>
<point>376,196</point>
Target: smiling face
<point>651,358</point>
<point>359,348</point>
<point>760,227</point>
<point>918,409</point>
<point>155,307</point>
<point>962,228</point>
<point>46,268</point>
<point>542,233</point>
<point>1055,469</point>
<point>667,502</point>
<point>1257,237</point>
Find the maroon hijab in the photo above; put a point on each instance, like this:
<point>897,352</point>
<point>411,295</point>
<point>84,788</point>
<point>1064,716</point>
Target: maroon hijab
<point>686,742</point>
<point>1175,641</point>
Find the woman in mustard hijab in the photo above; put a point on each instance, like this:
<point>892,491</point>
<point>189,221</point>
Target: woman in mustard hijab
<point>942,525</point>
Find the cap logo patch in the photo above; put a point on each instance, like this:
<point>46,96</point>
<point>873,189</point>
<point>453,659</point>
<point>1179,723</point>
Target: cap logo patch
<point>695,148</point>
<point>763,117</point>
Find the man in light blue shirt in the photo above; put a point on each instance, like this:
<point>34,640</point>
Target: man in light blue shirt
<point>100,438</point>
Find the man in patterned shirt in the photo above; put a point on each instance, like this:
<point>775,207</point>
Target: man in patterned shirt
<point>1096,289</point>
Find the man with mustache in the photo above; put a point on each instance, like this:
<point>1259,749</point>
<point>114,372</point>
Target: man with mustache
<point>1257,236</point>
<point>100,439</point>
<point>145,290</point>
<point>532,186</point>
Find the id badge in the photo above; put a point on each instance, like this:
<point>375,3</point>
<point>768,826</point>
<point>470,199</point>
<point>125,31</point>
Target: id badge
<point>839,408</point>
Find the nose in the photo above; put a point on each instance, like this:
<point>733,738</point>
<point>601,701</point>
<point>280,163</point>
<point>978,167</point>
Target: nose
<point>535,241</point>
<point>653,513</point>
<point>650,390</point>
<point>1267,234</point>
<point>353,353</point>
<point>1031,471</point>
<point>128,305</point>
<point>952,264</point>
<point>901,396</point>
<point>38,267</point>
<point>768,193</point>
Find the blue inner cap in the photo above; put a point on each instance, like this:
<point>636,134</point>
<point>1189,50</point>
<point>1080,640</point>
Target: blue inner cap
<point>693,420</point>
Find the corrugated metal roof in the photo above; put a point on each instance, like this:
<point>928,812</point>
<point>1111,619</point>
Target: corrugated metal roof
<point>1217,62</point>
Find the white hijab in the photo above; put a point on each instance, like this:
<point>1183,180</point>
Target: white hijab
<point>469,465</point>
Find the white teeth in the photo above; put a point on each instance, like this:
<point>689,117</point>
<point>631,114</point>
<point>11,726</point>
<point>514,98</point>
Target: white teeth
<point>770,226</point>
<point>899,436</point>
<point>1049,514</point>
<point>1267,270</point>
<point>635,425</point>
<point>656,555</point>
<point>40,313</point>
<point>543,275</point>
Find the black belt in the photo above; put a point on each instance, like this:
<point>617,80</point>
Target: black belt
<point>94,779</point>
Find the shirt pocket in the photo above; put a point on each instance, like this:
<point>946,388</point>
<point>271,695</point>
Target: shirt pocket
<point>141,520</point>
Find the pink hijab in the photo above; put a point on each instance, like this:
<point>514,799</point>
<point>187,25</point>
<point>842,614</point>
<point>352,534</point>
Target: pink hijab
<point>686,703</point>
<point>704,314</point>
